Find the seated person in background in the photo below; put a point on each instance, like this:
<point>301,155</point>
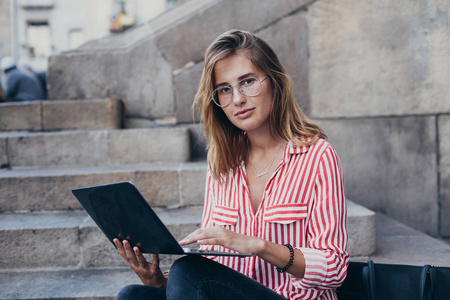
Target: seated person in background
<point>40,76</point>
<point>2,93</point>
<point>274,189</point>
<point>19,85</point>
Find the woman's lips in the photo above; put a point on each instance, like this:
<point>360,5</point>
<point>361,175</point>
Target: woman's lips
<point>244,113</point>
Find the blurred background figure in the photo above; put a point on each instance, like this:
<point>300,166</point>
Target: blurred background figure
<point>41,77</point>
<point>2,93</point>
<point>20,86</point>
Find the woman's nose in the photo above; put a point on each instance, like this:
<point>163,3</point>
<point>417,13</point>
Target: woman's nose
<point>238,96</point>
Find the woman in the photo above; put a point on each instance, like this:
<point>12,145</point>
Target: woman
<point>274,189</point>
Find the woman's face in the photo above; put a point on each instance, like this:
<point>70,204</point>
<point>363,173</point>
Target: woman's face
<point>248,113</point>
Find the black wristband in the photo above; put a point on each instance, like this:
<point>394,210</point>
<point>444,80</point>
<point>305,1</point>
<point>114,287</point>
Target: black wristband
<point>291,259</point>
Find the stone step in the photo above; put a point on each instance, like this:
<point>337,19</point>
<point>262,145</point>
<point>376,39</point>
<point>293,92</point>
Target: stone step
<point>71,239</point>
<point>161,184</point>
<point>105,283</point>
<point>94,147</point>
<point>61,115</point>
<point>82,284</point>
<point>361,227</point>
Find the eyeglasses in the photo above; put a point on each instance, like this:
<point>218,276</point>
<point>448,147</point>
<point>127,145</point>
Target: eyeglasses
<point>250,86</point>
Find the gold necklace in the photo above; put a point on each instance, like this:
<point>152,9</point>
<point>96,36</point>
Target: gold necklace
<point>266,169</point>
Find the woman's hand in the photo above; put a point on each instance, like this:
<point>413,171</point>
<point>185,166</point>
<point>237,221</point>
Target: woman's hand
<point>223,237</point>
<point>149,273</point>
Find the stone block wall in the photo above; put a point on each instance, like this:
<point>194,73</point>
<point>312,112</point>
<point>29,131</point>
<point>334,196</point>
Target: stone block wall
<point>374,74</point>
<point>443,137</point>
<point>379,58</point>
<point>390,165</point>
<point>5,29</point>
<point>379,85</point>
<point>155,68</point>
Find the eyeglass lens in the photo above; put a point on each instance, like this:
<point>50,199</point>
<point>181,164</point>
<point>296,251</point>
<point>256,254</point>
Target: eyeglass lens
<point>249,86</point>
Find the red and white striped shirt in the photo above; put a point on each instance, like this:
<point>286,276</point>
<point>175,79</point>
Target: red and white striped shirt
<point>304,205</point>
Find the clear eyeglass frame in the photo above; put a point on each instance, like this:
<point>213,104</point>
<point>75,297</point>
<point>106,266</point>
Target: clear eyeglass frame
<point>241,90</point>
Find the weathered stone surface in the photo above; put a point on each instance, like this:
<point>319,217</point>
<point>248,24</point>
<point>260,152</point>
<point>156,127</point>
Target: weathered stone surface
<point>35,248</point>
<point>375,58</point>
<point>289,39</point>
<point>20,116</point>
<point>138,123</point>
<point>6,26</point>
<point>71,239</point>
<point>400,244</point>
<point>60,115</point>
<point>148,145</point>
<point>162,188</point>
<point>87,114</point>
<point>166,44</point>
<point>96,249</point>
<point>396,243</point>
<point>3,154</point>
<point>361,228</point>
<point>62,239</point>
<point>147,123</point>
<point>87,148</point>
<point>197,141</point>
<point>84,284</point>
<point>192,183</point>
<point>390,166</point>
<point>444,169</point>
<point>159,188</point>
<point>28,191</point>
<point>185,87</point>
<point>51,189</point>
<point>97,147</point>
<point>40,240</point>
<point>146,88</point>
<point>219,15</point>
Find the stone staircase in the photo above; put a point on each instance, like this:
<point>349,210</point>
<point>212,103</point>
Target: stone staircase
<point>49,247</point>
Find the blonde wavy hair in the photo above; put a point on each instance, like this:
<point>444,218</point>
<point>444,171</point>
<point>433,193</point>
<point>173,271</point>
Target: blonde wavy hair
<point>227,144</point>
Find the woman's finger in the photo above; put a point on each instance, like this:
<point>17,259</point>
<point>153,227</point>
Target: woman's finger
<point>210,242</point>
<point>155,261</point>
<point>194,236</point>
<point>130,256</point>
<point>140,257</point>
<point>120,248</point>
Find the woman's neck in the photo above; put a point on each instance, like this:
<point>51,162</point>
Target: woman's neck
<point>260,144</point>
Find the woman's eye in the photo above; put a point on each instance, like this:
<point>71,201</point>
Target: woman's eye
<point>225,90</point>
<point>248,81</point>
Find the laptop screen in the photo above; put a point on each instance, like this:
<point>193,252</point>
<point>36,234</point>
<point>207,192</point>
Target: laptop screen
<point>120,211</point>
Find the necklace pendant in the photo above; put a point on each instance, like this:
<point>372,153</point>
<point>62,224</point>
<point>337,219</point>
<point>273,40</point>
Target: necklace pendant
<point>261,174</point>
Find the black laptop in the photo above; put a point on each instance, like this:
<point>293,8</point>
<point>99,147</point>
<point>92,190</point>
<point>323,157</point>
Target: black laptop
<point>121,212</point>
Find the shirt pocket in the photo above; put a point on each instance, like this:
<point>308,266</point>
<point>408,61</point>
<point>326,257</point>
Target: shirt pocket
<point>286,213</point>
<point>224,215</point>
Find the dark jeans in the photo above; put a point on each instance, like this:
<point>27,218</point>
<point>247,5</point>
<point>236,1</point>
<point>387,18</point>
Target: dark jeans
<point>195,277</point>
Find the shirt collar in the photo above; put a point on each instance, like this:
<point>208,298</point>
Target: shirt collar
<point>292,149</point>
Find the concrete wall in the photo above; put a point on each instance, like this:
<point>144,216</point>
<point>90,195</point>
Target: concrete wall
<point>155,68</point>
<point>379,85</point>
<point>379,58</point>
<point>374,74</point>
<point>6,34</point>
